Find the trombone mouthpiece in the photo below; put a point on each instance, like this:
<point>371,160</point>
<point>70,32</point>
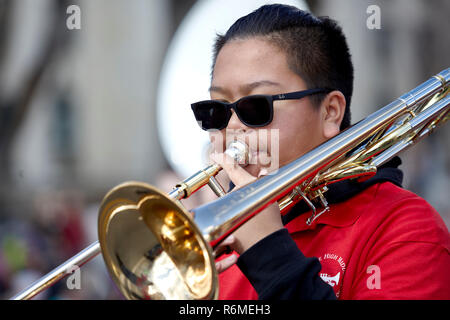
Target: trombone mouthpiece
<point>239,152</point>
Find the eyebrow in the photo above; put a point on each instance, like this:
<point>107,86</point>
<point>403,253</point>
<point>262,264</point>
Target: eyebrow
<point>246,87</point>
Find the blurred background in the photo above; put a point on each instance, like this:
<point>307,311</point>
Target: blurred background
<point>80,111</point>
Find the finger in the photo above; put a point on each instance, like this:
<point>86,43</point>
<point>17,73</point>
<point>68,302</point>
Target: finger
<point>221,251</point>
<point>236,173</point>
<point>224,264</point>
<point>228,241</point>
<point>225,246</point>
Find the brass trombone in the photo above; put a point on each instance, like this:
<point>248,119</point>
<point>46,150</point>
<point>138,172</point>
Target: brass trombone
<point>154,249</point>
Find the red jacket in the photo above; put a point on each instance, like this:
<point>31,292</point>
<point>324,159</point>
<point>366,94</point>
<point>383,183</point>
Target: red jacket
<point>383,243</point>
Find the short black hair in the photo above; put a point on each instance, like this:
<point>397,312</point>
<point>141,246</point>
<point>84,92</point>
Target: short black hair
<point>316,47</point>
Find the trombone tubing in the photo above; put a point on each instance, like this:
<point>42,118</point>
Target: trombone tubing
<point>59,272</point>
<point>218,219</point>
<point>414,123</point>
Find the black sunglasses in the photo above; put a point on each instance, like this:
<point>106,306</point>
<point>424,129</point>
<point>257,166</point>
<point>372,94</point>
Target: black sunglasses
<point>253,111</point>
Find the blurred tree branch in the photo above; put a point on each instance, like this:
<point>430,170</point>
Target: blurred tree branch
<point>5,17</point>
<point>14,110</point>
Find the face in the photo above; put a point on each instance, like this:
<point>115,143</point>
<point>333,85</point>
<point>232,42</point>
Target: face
<point>255,66</point>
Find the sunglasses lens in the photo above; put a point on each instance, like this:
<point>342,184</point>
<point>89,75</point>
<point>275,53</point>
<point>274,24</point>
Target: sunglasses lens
<point>255,111</point>
<point>210,114</point>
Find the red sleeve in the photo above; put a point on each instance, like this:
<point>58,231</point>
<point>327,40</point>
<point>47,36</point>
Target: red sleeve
<point>408,257</point>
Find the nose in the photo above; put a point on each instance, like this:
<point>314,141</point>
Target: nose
<point>235,123</point>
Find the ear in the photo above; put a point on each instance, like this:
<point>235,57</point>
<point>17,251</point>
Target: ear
<point>333,108</point>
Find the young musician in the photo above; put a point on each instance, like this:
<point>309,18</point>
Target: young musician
<point>280,68</point>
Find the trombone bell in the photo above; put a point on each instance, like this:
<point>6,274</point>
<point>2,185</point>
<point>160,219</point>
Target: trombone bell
<point>152,248</point>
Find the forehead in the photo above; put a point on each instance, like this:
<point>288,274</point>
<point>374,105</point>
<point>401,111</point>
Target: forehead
<point>244,61</point>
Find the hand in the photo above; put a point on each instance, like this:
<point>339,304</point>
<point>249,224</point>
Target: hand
<point>262,224</point>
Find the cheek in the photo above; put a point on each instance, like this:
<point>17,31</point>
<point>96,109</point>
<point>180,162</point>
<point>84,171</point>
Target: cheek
<point>298,133</point>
